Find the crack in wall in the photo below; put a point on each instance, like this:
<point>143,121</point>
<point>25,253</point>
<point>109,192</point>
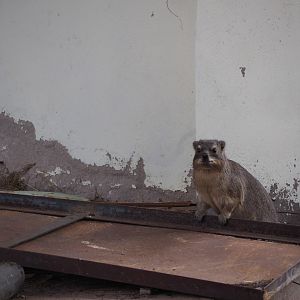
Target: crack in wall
<point>173,13</point>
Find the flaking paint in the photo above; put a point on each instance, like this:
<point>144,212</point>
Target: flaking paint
<point>57,171</point>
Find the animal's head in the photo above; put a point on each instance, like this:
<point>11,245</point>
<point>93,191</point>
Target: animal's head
<point>209,155</point>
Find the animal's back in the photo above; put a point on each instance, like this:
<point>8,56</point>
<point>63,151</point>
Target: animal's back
<point>258,204</point>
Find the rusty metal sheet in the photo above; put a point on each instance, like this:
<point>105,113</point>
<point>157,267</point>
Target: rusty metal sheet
<point>147,247</point>
<point>133,276</point>
<point>42,230</point>
<point>203,256</point>
<point>15,224</point>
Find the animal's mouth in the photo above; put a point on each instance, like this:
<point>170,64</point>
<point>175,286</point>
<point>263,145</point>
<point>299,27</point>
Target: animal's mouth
<point>207,164</point>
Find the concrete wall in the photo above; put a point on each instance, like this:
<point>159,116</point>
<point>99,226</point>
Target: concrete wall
<point>257,112</point>
<point>112,81</point>
<point>104,92</point>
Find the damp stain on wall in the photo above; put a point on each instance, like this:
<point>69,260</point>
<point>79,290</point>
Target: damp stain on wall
<point>288,209</point>
<point>56,171</point>
<point>283,195</point>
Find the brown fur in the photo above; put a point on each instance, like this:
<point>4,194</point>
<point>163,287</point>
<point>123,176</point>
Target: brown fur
<point>227,187</point>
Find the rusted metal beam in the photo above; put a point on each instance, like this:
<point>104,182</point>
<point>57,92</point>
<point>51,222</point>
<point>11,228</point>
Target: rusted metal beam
<point>38,232</point>
<point>282,281</point>
<point>166,204</point>
<point>211,225</point>
<point>152,217</point>
<point>132,276</point>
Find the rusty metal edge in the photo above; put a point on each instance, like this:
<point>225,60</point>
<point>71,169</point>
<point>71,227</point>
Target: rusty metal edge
<point>282,281</point>
<point>106,212</point>
<point>34,211</point>
<point>41,231</point>
<point>127,275</point>
<point>152,217</point>
<point>197,228</point>
<point>222,231</point>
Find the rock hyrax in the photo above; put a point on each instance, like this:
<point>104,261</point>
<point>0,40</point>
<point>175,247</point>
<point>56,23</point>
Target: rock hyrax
<point>226,187</point>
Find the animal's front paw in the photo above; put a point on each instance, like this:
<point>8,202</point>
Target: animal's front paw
<point>199,215</point>
<point>222,219</point>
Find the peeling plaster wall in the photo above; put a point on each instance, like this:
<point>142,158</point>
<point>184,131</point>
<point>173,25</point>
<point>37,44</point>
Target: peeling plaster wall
<point>247,79</point>
<point>111,81</point>
<point>57,171</point>
<point>100,94</point>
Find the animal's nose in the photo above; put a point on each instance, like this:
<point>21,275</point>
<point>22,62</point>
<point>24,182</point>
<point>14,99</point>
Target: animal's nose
<point>205,156</point>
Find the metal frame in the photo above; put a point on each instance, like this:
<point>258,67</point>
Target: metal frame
<point>71,211</point>
<point>150,217</point>
<point>131,276</point>
<point>279,283</point>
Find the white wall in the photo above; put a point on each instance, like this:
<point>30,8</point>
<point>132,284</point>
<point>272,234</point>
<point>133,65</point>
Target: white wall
<point>104,76</point>
<point>259,114</point>
<point>118,76</point>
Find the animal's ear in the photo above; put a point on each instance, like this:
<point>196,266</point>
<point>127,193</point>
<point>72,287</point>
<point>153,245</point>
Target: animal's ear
<point>222,145</point>
<point>195,144</point>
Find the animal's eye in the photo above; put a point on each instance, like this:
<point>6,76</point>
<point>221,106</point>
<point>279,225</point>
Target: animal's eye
<point>214,150</point>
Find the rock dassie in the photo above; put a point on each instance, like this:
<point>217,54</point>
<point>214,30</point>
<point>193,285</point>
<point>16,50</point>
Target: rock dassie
<point>227,187</point>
